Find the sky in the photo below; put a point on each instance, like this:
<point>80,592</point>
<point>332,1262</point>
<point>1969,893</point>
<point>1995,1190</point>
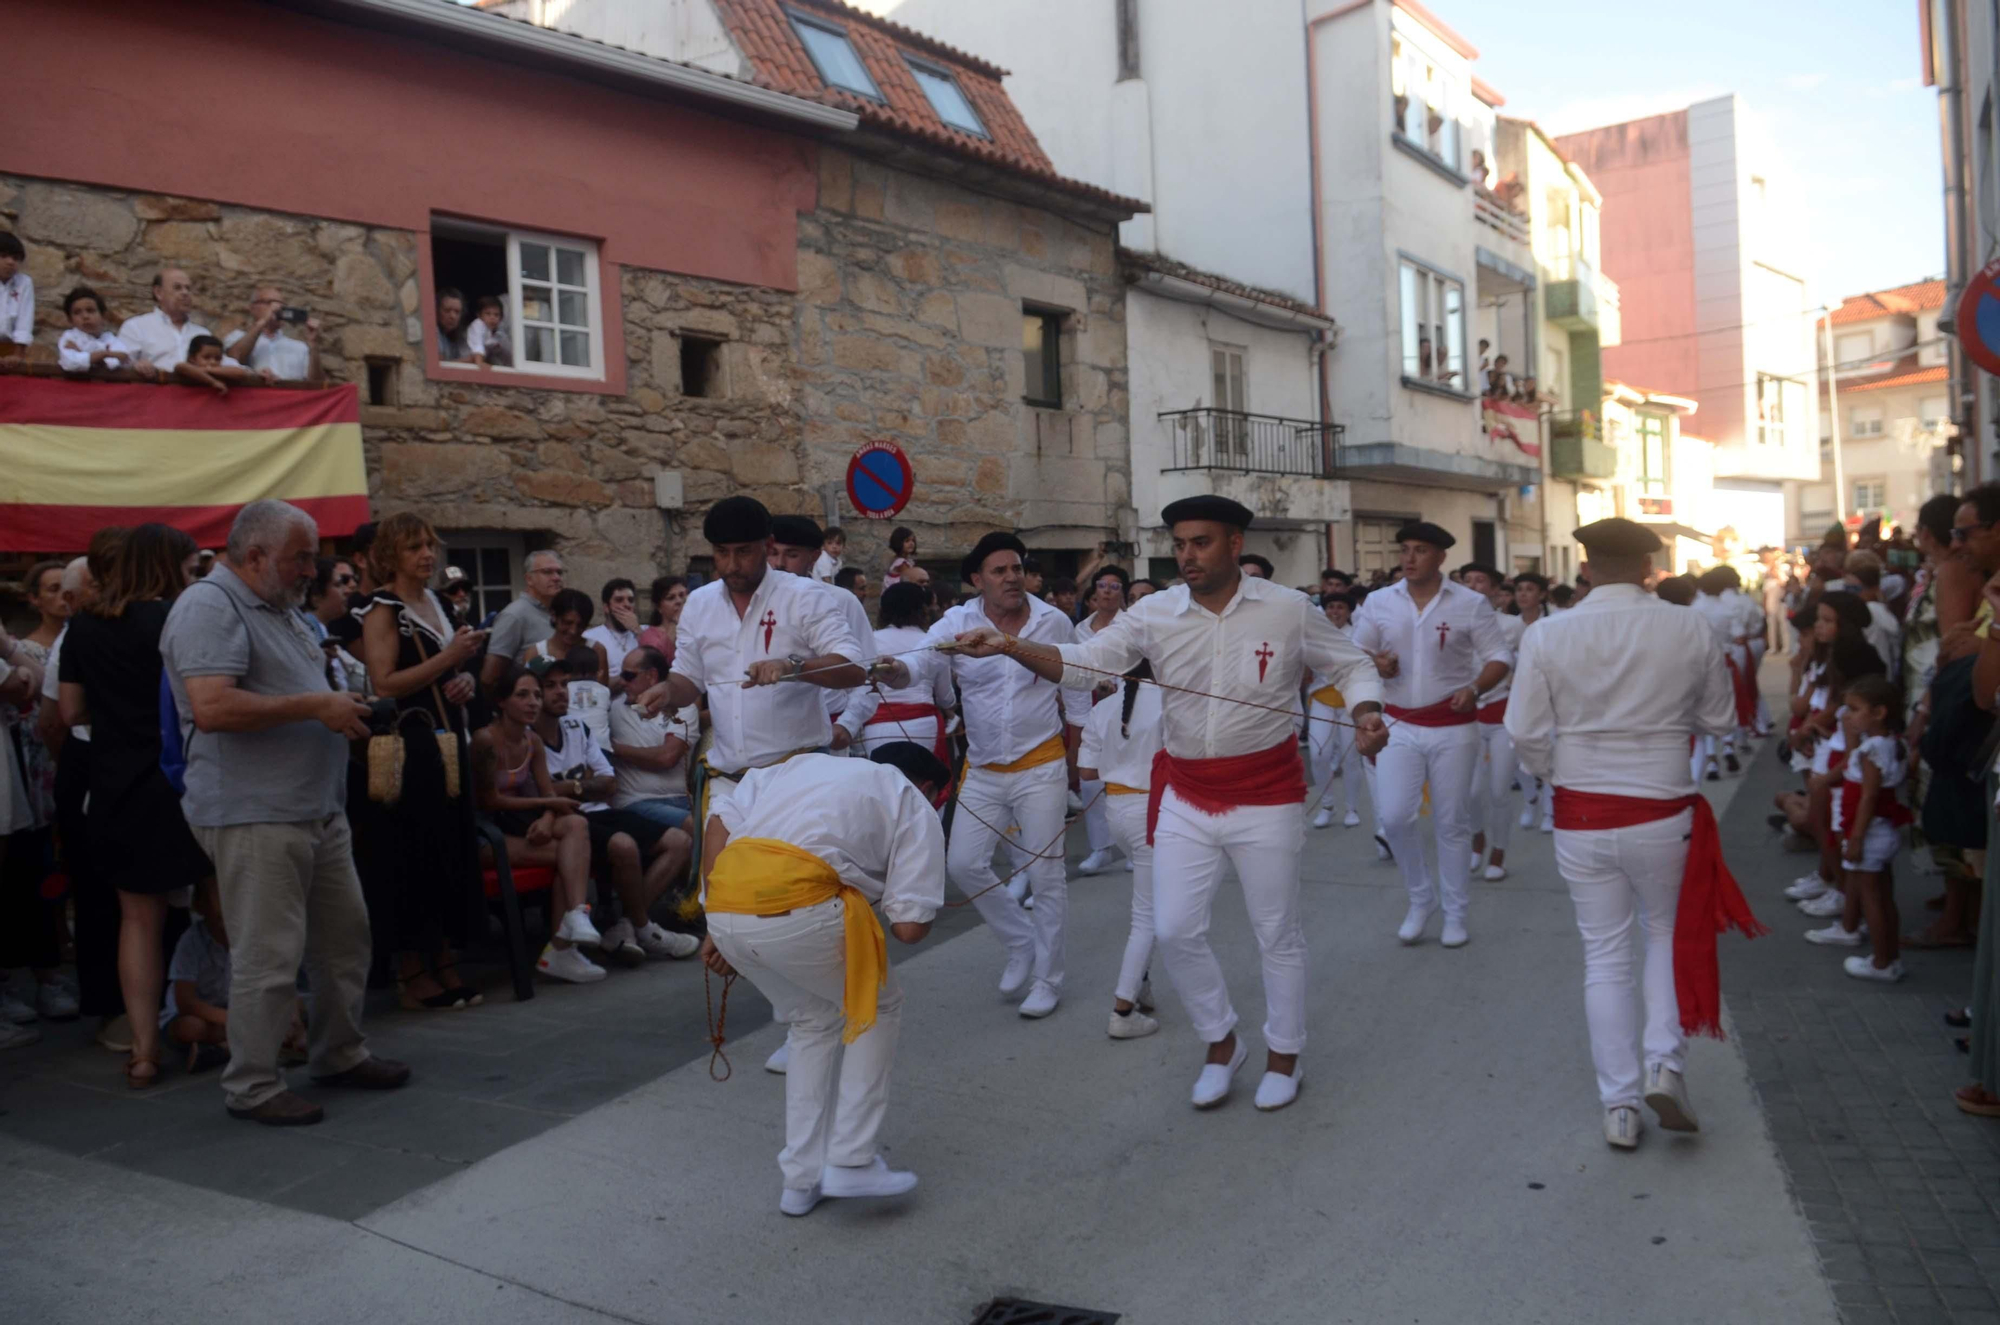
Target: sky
<point>1836,84</point>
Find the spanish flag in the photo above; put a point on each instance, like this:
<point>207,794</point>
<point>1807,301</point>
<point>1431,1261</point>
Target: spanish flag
<point>76,456</point>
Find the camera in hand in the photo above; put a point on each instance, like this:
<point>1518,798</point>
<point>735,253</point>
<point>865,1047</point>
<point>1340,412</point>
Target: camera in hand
<point>294,315</point>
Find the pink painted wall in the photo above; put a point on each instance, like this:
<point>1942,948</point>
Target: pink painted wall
<point>1646,244</point>
<point>362,126</point>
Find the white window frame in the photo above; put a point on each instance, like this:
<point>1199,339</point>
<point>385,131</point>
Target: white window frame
<point>517,326</point>
<point>477,541</point>
<point>1229,378</point>
<point>923,69</point>
<point>1845,357</point>
<point>1652,436</point>
<point>1870,487</point>
<point>1424,298</point>
<point>1864,421</point>
<point>1428,87</point>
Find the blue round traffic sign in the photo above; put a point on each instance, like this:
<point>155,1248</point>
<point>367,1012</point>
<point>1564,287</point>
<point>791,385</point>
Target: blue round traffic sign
<point>1979,317</point>
<point>880,480</point>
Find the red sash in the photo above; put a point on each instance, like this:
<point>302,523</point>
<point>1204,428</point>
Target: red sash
<point>1495,713</point>
<point>1888,808</point>
<point>1215,786</point>
<point>1711,903</point>
<point>1440,714</point>
<point>1745,688</point>
<point>901,713</point>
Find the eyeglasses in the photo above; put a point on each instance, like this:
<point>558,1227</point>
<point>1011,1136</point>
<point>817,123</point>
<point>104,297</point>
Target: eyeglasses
<point>628,677</point>
<point>343,579</point>
<point>1959,533</point>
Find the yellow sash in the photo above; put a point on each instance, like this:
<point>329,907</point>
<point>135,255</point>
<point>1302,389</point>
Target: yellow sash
<point>1046,753</point>
<point>1120,789</point>
<point>761,876</point>
<point>1331,697</point>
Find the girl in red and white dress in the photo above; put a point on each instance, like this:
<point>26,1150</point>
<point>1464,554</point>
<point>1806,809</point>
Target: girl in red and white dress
<point>1868,818</point>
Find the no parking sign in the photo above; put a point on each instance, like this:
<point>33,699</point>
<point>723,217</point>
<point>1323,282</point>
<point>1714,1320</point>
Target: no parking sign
<point>880,480</point>
<point>1979,317</point>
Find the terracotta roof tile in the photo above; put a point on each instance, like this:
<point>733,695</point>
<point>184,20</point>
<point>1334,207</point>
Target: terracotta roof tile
<point>1904,373</point>
<point>1132,259</point>
<point>1903,299</point>
<point>765,35</point>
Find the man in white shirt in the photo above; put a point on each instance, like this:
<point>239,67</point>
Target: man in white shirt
<point>619,631</point>
<point>649,751</point>
<point>162,336</point>
<point>262,343</point>
<point>1603,703</point>
<point>1439,648</point>
<point>790,865</point>
<point>1726,623</point>
<point>1235,647</point>
<point>1016,770</point>
<point>1493,775</point>
<point>17,293</point>
<point>795,546</point>
<point>1105,599</point>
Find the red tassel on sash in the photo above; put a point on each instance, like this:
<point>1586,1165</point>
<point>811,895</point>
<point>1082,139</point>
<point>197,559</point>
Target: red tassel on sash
<point>1214,786</point>
<point>1710,904</point>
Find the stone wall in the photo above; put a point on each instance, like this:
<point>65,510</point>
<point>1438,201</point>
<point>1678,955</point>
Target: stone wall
<point>909,330</point>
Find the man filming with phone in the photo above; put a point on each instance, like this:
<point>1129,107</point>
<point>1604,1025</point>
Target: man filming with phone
<point>263,336</point>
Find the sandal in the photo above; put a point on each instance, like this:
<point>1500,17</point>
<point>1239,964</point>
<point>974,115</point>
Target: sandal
<point>443,1000</point>
<point>137,1080</point>
<point>1958,1018</point>
<point>1977,1101</point>
<point>473,998</point>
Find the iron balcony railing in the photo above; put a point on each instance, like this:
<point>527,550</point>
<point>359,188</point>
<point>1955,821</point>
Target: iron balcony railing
<point>1251,443</point>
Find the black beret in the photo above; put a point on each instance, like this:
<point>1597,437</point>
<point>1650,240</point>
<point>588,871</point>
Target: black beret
<point>736,520</point>
<point>797,531</point>
<point>1423,531</point>
<point>1221,510</point>
<point>997,541</point>
<point>1618,538</point>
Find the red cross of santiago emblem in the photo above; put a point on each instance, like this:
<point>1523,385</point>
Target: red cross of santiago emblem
<point>1444,631</point>
<point>1264,656</point>
<point>769,623</point>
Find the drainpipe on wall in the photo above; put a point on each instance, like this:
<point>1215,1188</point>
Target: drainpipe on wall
<point>1948,44</point>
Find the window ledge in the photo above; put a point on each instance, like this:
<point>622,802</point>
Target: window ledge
<point>1431,388</point>
<point>1054,406</point>
<point>1428,158</point>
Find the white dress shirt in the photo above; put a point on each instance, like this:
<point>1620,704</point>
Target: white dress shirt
<point>1008,709</point>
<point>930,680</point>
<point>866,820</point>
<point>1087,627</point>
<point>826,567</point>
<point>631,727</point>
<point>1749,614</point>
<point>17,309</point>
<point>1440,650</point>
<point>1724,621</point>
<point>289,360</point>
<point>1606,695</point>
<point>157,340</point>
<point>1259,647</point>
<point>1511,629</point>
<point>714,647</point>
<point>1120,751</point>
<point>74,348</point>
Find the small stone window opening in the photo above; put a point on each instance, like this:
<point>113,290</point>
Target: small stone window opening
<point>701,367</point>
<point>1041,353</point>
<point>384,376</point>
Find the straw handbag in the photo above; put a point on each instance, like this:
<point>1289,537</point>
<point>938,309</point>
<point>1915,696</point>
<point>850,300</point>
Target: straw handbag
<point>386,753</point>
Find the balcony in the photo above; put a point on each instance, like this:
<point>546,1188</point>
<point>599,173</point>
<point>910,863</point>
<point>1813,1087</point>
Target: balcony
<point>1283,469</point>
<point>1581,298</point>
<point>1492,212</point>
<point>1577,449</point>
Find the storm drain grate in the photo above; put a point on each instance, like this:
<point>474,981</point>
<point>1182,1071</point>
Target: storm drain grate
<point>1018,1311</point>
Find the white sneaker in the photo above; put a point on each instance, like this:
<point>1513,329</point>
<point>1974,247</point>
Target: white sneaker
<point>1864,968</point>
<point>55,1001</point>
<point>1324,818</point>
<point>658,941</point>
<point>13,1035</point>
<point>1096,862</point>
<point>1277,1090</point>
<point>876,1179</point>
<point>12,1009</point>
<point>1666,1095</point>
<point>1806,887</point>
<point>1382,851</point>
<point>1621,1127</point>
<point>1133,1025</point>
<point>1017,888</point>
<point>1477,861</point>
<point>1075,803</point>
<point>799,1200</point>
<point>569,964</point>
<point>1041,1000</point>
<point>1028,903</point>
<point>1412,929</point>
<point>779,1061</point>
<point>1131,866</point>
<point>1527,819</point>
<point>1495,873</point>
<point>1353,820</point>
<point>1454,935</point>
<point>1145,999</point>
<point>576,927</point>
<point>1834,936</point>
<point>1212,1086</point>
<point>1828,903</point>
<point>620,946</point>
<point>1549,825</point>
<point>1015,977</point>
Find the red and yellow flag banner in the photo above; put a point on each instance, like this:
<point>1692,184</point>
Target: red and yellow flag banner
<point>77,456</point>
<point>1512,421</point>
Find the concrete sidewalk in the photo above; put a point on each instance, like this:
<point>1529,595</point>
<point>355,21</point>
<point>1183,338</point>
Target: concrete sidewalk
<point>1444,1163</point>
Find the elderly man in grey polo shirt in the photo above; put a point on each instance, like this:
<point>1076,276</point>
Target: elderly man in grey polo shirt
<point>266,794</point>
<point>524,621</point>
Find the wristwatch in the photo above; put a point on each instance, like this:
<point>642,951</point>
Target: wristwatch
<point>796,662</point>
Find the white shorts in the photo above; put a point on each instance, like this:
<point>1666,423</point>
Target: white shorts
<point>1878,847</point>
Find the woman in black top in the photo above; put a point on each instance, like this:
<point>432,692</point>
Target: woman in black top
<point>140,843</point>
<point>419,860</point>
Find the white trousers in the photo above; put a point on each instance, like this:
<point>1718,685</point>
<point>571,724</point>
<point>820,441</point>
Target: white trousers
<point>1333,745</point>
<point>988,805</point>
<point>1626,882</point>
<point>1262,842</point>
<point>1492,780</point>
<point>1096,826</point>
<point>1127,816</point>
<point>1444,758</point>
<point>835,1095</point>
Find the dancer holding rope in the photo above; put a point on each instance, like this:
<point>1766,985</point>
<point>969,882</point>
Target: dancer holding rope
<point>792,862</point>
<point>1229,652</point>
<point>1016,770</point>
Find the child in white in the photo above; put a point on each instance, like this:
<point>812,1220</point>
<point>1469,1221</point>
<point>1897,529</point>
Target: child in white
<point>1868,819</point>
<point>89,343</point>
<point>1330,731</point>
<point>1120,738</point>
<point>486,338</point>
